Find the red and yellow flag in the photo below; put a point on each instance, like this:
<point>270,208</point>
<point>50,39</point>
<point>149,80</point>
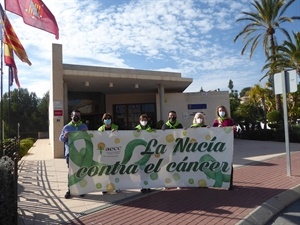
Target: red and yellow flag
<point>10,62</point>
<point>35,13</point>
<point>12,45</point>
<point>12,40</point>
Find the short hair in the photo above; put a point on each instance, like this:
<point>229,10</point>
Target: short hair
<point>144,116</point>
<point>75,111</point>
<point>105,115</point>
<point>172,111</point>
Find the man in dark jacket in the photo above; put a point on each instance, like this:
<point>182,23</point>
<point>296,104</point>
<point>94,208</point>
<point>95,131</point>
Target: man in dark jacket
<point>172,122</point>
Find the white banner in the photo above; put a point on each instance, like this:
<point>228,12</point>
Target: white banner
<point>107,161</point>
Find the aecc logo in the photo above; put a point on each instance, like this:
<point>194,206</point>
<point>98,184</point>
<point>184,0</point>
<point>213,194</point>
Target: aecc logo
<point>115,148</point>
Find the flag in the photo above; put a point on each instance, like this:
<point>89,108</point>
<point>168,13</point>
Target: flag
<point>12,45</point>
<point>10,62</point>
<point>11,38</point>
<point>35,13</point>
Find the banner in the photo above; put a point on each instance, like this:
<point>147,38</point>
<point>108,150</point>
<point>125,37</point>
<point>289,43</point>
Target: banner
<point>107,161</point>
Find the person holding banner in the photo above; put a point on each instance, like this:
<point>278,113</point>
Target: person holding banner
<point>223,120</point>
<point>198,121</point>
<point>172,122</point>
<point>107,123</point>
<point>143,125</point>
<point>74,125</point>
<point>108,126</point>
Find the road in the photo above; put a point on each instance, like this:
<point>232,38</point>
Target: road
<point>289,216</point>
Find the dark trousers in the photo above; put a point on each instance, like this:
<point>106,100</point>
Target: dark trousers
<point>231,179</point>
<point>67,161</point>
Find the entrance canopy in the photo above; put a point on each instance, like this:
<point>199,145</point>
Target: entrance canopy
<point>118,81</point>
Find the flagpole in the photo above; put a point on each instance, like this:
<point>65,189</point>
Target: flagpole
<point>8,116</point>
<point>1,105</point>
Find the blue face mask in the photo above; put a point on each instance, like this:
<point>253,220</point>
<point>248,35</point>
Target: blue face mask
<point>107,121</point>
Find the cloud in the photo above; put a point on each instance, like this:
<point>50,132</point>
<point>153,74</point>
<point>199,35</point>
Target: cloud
<point>194,37</point>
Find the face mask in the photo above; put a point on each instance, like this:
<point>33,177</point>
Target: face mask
<point>173,118</point>
<point>143,123</point>
<point>76,118</point>
<point>199,120</point>
<point>107,121</point>
<point>222,114</point>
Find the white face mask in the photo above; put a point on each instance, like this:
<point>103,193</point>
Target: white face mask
<point>143,123</point>
<point>222,114</point>
<point>199,120</point>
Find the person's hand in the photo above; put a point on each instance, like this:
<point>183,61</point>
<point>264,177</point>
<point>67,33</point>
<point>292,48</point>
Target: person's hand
<point>66,135</point>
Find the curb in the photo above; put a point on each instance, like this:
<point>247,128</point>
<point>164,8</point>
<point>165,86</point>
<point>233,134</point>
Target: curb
<point>264,213</point>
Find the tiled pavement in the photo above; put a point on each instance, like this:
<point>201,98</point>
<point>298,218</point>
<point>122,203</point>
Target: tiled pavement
<point>42,185</point>
<point>254,184</point>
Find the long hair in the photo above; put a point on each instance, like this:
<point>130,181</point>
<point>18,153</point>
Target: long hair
<point>197,115</point>
<point>224,109</point>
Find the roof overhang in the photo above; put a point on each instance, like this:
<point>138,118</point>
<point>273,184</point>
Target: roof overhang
<point>97,79</point>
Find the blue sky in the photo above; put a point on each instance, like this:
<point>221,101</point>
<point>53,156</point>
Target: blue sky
<point>193,37</point>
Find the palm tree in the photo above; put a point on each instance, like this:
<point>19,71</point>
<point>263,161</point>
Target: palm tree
<point>287,56</point>
<point>259,97</point>
<point>264,22</point>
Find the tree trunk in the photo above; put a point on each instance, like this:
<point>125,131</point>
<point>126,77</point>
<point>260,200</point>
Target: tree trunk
<point>279,104</point>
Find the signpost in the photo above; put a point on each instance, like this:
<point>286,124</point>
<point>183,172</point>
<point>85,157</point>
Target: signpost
<point>286,82</point>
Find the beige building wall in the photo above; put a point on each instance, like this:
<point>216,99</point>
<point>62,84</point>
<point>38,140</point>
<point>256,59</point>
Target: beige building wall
<point>56,102</point>
<point>179,103</point>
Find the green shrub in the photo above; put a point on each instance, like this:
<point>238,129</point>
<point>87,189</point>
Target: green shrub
<point>23,151</point>
<point>28,143</point>
<point>274,116</point>
<point>261,135</point>
<point>25,145</point>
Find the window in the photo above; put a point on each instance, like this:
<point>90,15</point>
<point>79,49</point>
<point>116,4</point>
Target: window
<point>91,106</point>
<point>127,115</point>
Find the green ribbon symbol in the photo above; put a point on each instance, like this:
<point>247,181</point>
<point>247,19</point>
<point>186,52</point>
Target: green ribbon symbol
<point>218,176</point>
<point>83,157</point>
<point>129,151</point>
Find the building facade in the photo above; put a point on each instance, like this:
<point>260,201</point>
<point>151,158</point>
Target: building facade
<point>125,93</point>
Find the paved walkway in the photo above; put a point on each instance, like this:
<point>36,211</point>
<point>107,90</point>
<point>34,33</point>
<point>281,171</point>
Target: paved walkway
<point>261,189</point>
